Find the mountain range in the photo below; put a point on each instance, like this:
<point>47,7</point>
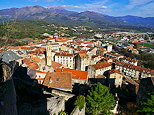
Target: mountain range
<point>56,14</point>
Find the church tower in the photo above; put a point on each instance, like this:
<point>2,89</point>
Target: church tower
<point>48,53</point>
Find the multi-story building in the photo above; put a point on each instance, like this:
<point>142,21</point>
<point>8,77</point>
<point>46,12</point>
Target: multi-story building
<point>133,71</point>
<point>67,60</point>
<point>98,69</point>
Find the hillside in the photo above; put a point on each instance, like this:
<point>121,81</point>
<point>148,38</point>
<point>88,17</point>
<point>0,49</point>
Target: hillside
<point>35,28</point>
<point>25,29</point>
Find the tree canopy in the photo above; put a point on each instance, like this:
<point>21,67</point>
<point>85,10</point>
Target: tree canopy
<point>147,105</point>
<point>99,101</point>
<point>80,101</point>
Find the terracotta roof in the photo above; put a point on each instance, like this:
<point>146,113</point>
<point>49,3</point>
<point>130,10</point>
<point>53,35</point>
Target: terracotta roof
<point>83,55</point>
<point>31,64</point>
<point>60,80</point>
<point>132,82</point>
<point>64,54</point>
<point>46,39</point>
<point>129,59</point>
<point>76,74</point>
<point>114,71</point>
<point>102,65</point>
<point>36,59</point>
<point>55,65</point>
<point>100,76</point>
<point>137,68</point>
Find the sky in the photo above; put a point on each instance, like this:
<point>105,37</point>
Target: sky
<point>143,8</point>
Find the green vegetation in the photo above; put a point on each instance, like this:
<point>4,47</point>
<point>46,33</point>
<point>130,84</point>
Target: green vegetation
<point>62,113</point>
<point>99,101</point>
<point>145,45</point>
<point>25,29</point>
<point>144,59</point>
<point>147,105</point>
<point>80,102</point>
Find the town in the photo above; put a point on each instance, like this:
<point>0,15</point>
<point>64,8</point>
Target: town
<point>66,67</point>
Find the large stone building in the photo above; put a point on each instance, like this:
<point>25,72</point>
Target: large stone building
<point>98,69</point>
<point>133,71</point>
<point>67,60</point>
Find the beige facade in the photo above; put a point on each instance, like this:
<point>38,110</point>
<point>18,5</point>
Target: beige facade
<point>67,60</point>
<point>118,79</point>
<point>48,53</point>
<point>98,69</point>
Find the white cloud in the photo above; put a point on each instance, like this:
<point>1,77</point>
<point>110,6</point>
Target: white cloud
<point>134,3</point>
<point>146,10</point>
<point>85,7</point>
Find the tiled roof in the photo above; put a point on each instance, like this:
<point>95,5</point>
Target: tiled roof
<point>76,74</point>
<point>55,65</point>
<point>60,80</point>
<point>100,76</point>
<point>129,59</point>
<point>46,39</point>
<point>137,68</point>
<point>132,82</point>
<point>102,65</point>
<point>36,59</point>
<point>31,64</point>
<point>64,54</point>
<point>114,71</point>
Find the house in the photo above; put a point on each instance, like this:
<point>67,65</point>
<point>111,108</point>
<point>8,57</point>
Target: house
<point>133,71</point>
<point>67,60</point>
<point>78,76</point>
<point>58,80</point>
<point>116,76</point>
<point>98,69</point>
<point>82,61</point>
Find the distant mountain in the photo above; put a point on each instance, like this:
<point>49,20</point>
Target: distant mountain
<point>61,10</point>
<point>138,21</point>
<point>56,14</point>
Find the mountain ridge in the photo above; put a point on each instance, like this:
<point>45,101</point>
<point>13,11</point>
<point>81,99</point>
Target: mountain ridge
<point>58,14</point>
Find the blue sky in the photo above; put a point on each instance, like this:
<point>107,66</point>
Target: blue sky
<point>144,8</point>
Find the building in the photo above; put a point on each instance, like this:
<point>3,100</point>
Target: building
<point>48,53</point>
<point>78,76</point>
<point>133,71</point>
<point>67,60</point>
<point>58,80</point>
<point>98,69</point>
<point>116,76</point>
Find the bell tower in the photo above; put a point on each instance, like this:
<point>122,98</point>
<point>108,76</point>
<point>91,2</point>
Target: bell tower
<point>48,53</point>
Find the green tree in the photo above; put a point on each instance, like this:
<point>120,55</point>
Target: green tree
<point>62,113</point>
<point>147,105</point>
<point>80,101</point>
<point>99,101</point>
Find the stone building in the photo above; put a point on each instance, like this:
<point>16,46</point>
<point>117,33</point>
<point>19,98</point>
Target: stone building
<point>98,69</point>
<point>133,71</point>
<point>48,53</point>
<point>67,60</point>
<point>80,77</point>
<point>58,80</point>
<point>116,76</point>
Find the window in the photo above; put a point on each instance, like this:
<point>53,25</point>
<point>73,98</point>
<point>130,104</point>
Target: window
<point>50,81</point>
<point>57,79</point>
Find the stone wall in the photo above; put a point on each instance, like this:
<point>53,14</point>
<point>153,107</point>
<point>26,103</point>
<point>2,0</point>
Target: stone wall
<point>7,91</point>
<point>76,111</point>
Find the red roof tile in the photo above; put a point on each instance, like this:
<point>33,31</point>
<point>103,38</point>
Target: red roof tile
<point>114,71</point>
<point>60,80</point>
<point>76,74</point>
<point>102,65</point>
